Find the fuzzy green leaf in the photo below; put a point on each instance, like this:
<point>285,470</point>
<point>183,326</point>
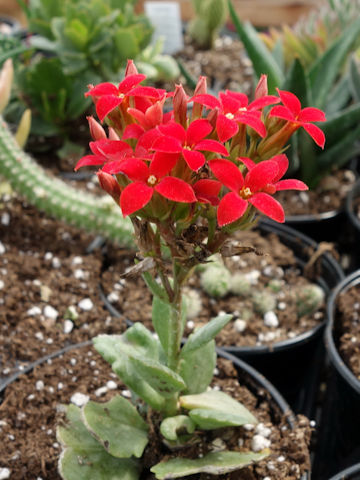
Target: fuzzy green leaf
<point>170,427</point>
<point>218,402</point>
<point>118,426</point>
<point>211,419</point>
<point>262,60</point>
<point>206,333</point>
<point>216,463</point>
<point>197,368</point>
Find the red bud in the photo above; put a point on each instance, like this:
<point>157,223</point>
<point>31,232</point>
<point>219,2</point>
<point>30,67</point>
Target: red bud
<point>109,184</point>
<point>96,130</point>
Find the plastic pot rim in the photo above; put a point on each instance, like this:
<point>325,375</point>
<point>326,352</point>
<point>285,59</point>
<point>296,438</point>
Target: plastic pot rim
<point>347,472</point>
<point>313,218</point>
<point>336,360</point>
<point>262,382</point>
<point>354,192</point>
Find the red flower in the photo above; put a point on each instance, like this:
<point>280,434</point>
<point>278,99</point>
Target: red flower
<point>300,117</point>
<point>234,109</point>
<point>149,179</point>
<point>176,139</point>
<point>261,181</point>
<point>207,191</point>
<point>104,150</point>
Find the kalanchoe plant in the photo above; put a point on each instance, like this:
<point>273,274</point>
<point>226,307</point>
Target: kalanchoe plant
<point>324,82</point>
<point>187,180</point>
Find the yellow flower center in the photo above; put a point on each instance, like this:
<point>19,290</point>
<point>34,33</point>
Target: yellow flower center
<point>151,180</point>
<point>230,116</point>
<point>245,193</point>
<point>122,95</point>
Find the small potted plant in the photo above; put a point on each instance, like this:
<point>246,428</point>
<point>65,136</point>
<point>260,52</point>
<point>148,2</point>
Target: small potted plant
<point>180,177</point>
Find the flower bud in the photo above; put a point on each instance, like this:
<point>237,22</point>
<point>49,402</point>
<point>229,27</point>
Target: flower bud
<point>96,130</point>
<point>180,105</point>
<point>109,184</point>
<point>130,68</point>
<point>113,135</point>
<point>262,88</point>
<point>200,89</point>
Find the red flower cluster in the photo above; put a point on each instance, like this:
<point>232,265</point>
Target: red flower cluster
<point>153,160</point>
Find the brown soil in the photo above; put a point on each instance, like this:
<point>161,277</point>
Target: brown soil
<point>348,328</point>
<point>132,298</point>
<point>28,418</point>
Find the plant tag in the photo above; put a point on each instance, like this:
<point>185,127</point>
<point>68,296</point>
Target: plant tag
<point>166,20</point>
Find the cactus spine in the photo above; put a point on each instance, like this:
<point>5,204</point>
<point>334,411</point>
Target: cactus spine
<point>54,197</point>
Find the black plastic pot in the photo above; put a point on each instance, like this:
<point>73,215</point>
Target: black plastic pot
<point>248,376</point>
<point>351,473</point>
<point>294,365</point>
<point>339,436</point>
<point>354,222</point>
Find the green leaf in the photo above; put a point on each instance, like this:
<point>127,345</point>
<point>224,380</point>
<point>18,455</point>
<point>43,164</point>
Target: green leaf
<point>84,457</point>
<point>118,426</point>
<point>262,59</point>
<point>355,79</point>
<point>77,33</point>
<point>161,378</point>
<point>341,123</point>
<point>325,70</point>
<point>297,82</point>
<point>206,333</point>
<point>211,419</point>
<point>197,368</point>
<point>339,96</point>
<point>126,43</point>
<point>171,427</point>
<point>155,288</point>
<point>217,402</point>
<point>216,463</point>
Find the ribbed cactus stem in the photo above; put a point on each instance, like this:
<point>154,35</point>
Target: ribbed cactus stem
<point>54,197</point>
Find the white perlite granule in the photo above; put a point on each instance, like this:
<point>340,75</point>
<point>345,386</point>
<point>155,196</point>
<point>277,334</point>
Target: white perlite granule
<point>50,312</point>
<point>259,442</point>
<point>4,473</point>
<point>2,250</point>
<point>79,399</point>
<point>86,304</point>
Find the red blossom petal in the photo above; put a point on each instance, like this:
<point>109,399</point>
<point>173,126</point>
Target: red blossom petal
<point>253,120</point>
<point>290,184</point>
<point>240,97</point>
<point>107,104</point>
<point>114,149</point>
<point>208,100</point>
<point>197,130</point>
<point>230,209</point>
<point>249,164</point>
<point>212,146</point>
<point>132,131</point>
<point>134,168</point>
<point>268,206</point>
<point>229,103</point>
<point>134,197</point>
<point>130,82</point>
<point>262,102</point>
<point>195,160</point>
<point>207,191</point>
<point>282,163</point>
<point>163,163</point>
<point>290,101</point>
<point>311,114</point>
<point>282,112</point>
<point>228,173</point>
<point>89,160</point>
<point>226,128</point>
<point>176,189</point>
<point>146,142</point>
<point>315,133</point>
<point>173,129</point>
<point>167,145</point>
<point>149,92</point>
<point>262,174</point>
<point>105,88</point>
<point>138,115</point>
<point>112,168</point>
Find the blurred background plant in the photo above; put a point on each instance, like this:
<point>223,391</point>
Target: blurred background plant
<point>75,43</point>
<point>321,73</point>
<point>209,17</point>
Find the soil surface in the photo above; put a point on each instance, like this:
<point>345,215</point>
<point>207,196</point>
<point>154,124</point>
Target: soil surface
<point>265,311</point>
<point>30,411</point>
<point>348,328</point>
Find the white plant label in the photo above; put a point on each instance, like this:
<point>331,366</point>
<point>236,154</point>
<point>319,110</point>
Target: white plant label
<point>166,20</point>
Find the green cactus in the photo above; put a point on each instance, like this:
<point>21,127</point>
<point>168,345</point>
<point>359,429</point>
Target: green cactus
<point>216,280</point>
<point>263,301</point>
<point>309,299</point>
<point>240,285</point>
<point>56,198</point>
<point>210,17</point>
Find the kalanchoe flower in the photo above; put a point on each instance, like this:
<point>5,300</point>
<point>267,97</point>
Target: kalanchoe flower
<point>234,109</point>
<point>176,139</point>
<point>300,117</point>
<point>104,151</point>
<point>149,179</point>
<point>261,181</point>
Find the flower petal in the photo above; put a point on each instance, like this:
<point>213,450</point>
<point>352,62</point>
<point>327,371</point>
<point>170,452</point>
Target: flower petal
<point>290,101</point>
<point>208,100</point>
<point>114,149</point>
<point>88,160</point>
<point>167,144</point>
<point>134,168</point>
<point>315,133</point>
<point>173,129</point>
<point>230,104</point>
<point>207,191</point>
<point>132,131</point>
<point>212,146</point>
<point>230,209</point>
<point>282,163</point>
<point>282,112</point>
<point>197,130</point>
<point>130,82</point>
<point>176,189</point>
<point>105,88</point>
<point>163,163</point>
<point>311,114</point>
<point>290,184</point>
<point>268,206</point>
<point>148,92</point>
<point>262,174</point>
<point>106,104</point>
<point>134,197</point>
<point>195,160</point>
<point>226,128</point>
<point>249,164</point>
<point>228,173</point>
<point>262,102</point>
<point>253,120</point>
